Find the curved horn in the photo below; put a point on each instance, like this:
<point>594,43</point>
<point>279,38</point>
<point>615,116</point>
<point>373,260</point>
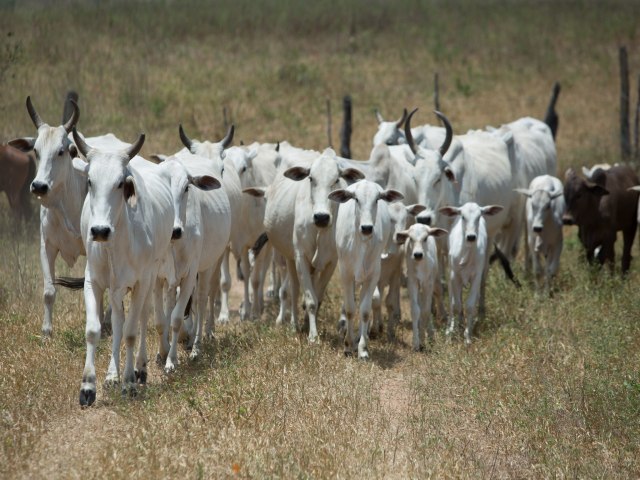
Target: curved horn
<point>402,119</point>
<point>447,139</point>
<point>133,150</point>
<point>226,141</point>
<point>379,116</point>
<point>186,141</point>
<point>75,115</point>
<point>407,132</point>
<point>80,143</point>
<point>35,118</point>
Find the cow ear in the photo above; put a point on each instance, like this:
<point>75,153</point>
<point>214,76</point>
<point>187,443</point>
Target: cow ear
<point>390,196</point>
<point>297,173</point>
<point>555,195</point>
<point>415,209</point>
<point>597,189</point>
<point>25,144</point>
<point>401,237</point>
<point>523,191</point>
<point>492,209</point>
<point>129,187</point>
<point>254,191</point>
<point>570,172</point>
<point>73,150</point>
<point>450,211</point>
<point>205,182</point>
<point>251,154</point>
<point>341,196</point>
<point>438,232</point>
<point>448,172</point>
<point>351,175</point>
<point>80,165</point>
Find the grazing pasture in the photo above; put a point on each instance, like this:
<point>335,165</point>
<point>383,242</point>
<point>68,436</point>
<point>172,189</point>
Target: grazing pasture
<point>549,388</point>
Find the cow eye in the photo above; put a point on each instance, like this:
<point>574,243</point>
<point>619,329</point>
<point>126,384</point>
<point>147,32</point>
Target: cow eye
<point>437,181</point>
<point>186,188</point>
<point>311,179</point>
<point>121,184</point>
<point>61,152</point>
<point>244,169</point>
<point>88,183</point>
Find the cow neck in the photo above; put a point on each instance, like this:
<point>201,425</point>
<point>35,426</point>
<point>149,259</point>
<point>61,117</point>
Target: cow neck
<point>68,200</point>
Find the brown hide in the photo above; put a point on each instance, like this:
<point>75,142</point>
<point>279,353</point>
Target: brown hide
<point>17,171</point>
<point>602,207</point>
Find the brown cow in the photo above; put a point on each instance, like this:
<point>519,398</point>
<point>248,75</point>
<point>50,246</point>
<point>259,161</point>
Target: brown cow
<point>18,169</point>
<point>601,207</point>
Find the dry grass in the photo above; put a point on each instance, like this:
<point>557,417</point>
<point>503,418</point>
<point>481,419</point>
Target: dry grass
<point>550,389</point>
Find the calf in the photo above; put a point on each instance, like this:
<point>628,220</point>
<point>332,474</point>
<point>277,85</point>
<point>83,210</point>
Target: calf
<point>362,231</point>
<point>545,207</point>
<point>600,207</point>
<point>422,274</point>
<point>468,247</point>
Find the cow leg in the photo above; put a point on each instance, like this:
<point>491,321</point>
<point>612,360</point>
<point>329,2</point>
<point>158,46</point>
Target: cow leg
<point>294,289</point>
<point>628,236</point>
<point>245,267</point>
<point>455,295</point>
<point>186,290</point>
<point>130,329</point>
<point>366,298</point>
<point>309,295</point>
<point>438,294</point>
<point>471,307</point>
<point>225,286</point>
<point>117,320</point>
<point>425,309</point>
<point>528,252</point>
<point>285,299</point>
<point>349,307</point>
<point>414,298</point>
<point>275,278</point>
<point>92,299</point>
<point>258,274</point>
<point>141,357</point>
<point>483,281</point>
<point>376,324</point>
<point>203,292</point>
<point>48,254</point>
<point>161,295</point>
<point>537,270</point>
<point>210,281</point>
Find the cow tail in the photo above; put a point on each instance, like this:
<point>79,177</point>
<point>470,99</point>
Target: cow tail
<point>551,117</point>
<point>70,282</point>
<point>260,243</point>
<point>506,265</point>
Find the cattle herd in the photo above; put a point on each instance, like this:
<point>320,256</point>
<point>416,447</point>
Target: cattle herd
<point>427,204</point>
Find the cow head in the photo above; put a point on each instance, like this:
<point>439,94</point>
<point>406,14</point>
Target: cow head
<point>324,175</point>
<point>208,149</point>
<point>109,185</point>
<point>539,205</point>
<point>433,173</point>
<point>400,215</point>
<point>366,195</point>
<point>582,197</point>
<point>389,133</point>
<point>416,238</point>
<point>182,182</point>
<point>53,150</point>
<point>471,218</point>
<point>242,160</point>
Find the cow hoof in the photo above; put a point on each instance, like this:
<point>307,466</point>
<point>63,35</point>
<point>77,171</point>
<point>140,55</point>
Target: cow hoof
<point>130,390</point>
<point>87,397</point>
<point>47,333</point>
<point>223,319</point>
<point>160,359</point>
<point>271,293</point>
<point>348,352</point>
<point>111,382</point>
<point>193,356</point>
<point>314,339</point>
<point>342,326</point>
<point>141,377</point>
<point>364,356</point>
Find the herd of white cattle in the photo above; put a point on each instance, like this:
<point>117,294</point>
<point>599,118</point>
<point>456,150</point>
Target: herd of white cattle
<point>425,202</point>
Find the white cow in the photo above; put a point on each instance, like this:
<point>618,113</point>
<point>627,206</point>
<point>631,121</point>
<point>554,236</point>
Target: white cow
<point>61,192</point>
<point>126,226</point>
<point>588,172</point>
<point>391,269</point>
<point>299,221</point>
<point>468,256</point>
<point>223,168</point>
<point>422,275</point>
<point>545,208</point>
<point>389,133</point>
<point>201,228</point>
<point>363,229</point>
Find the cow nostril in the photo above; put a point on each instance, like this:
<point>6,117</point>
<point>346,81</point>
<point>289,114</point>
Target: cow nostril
<point>418,255</point>
<point>366,229</point>
<point>424,220</point>
<point>39,188</point>
<point>537,229</point>
<point>177,233</point>
<point>471,238</point>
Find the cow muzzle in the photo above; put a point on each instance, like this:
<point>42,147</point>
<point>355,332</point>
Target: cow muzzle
<point>177,233</point>
<point>537,228</point>
<point>39,188</point>
<point>568,220</point>
<point>100,233</point>
<point>424,220</point>
<point>471,237</point>
<point>366,229</point>
<point>418,255</point>
<point>321,219</point>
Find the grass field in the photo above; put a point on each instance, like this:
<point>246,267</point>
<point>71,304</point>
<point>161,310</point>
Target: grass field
<point>550,388</point>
